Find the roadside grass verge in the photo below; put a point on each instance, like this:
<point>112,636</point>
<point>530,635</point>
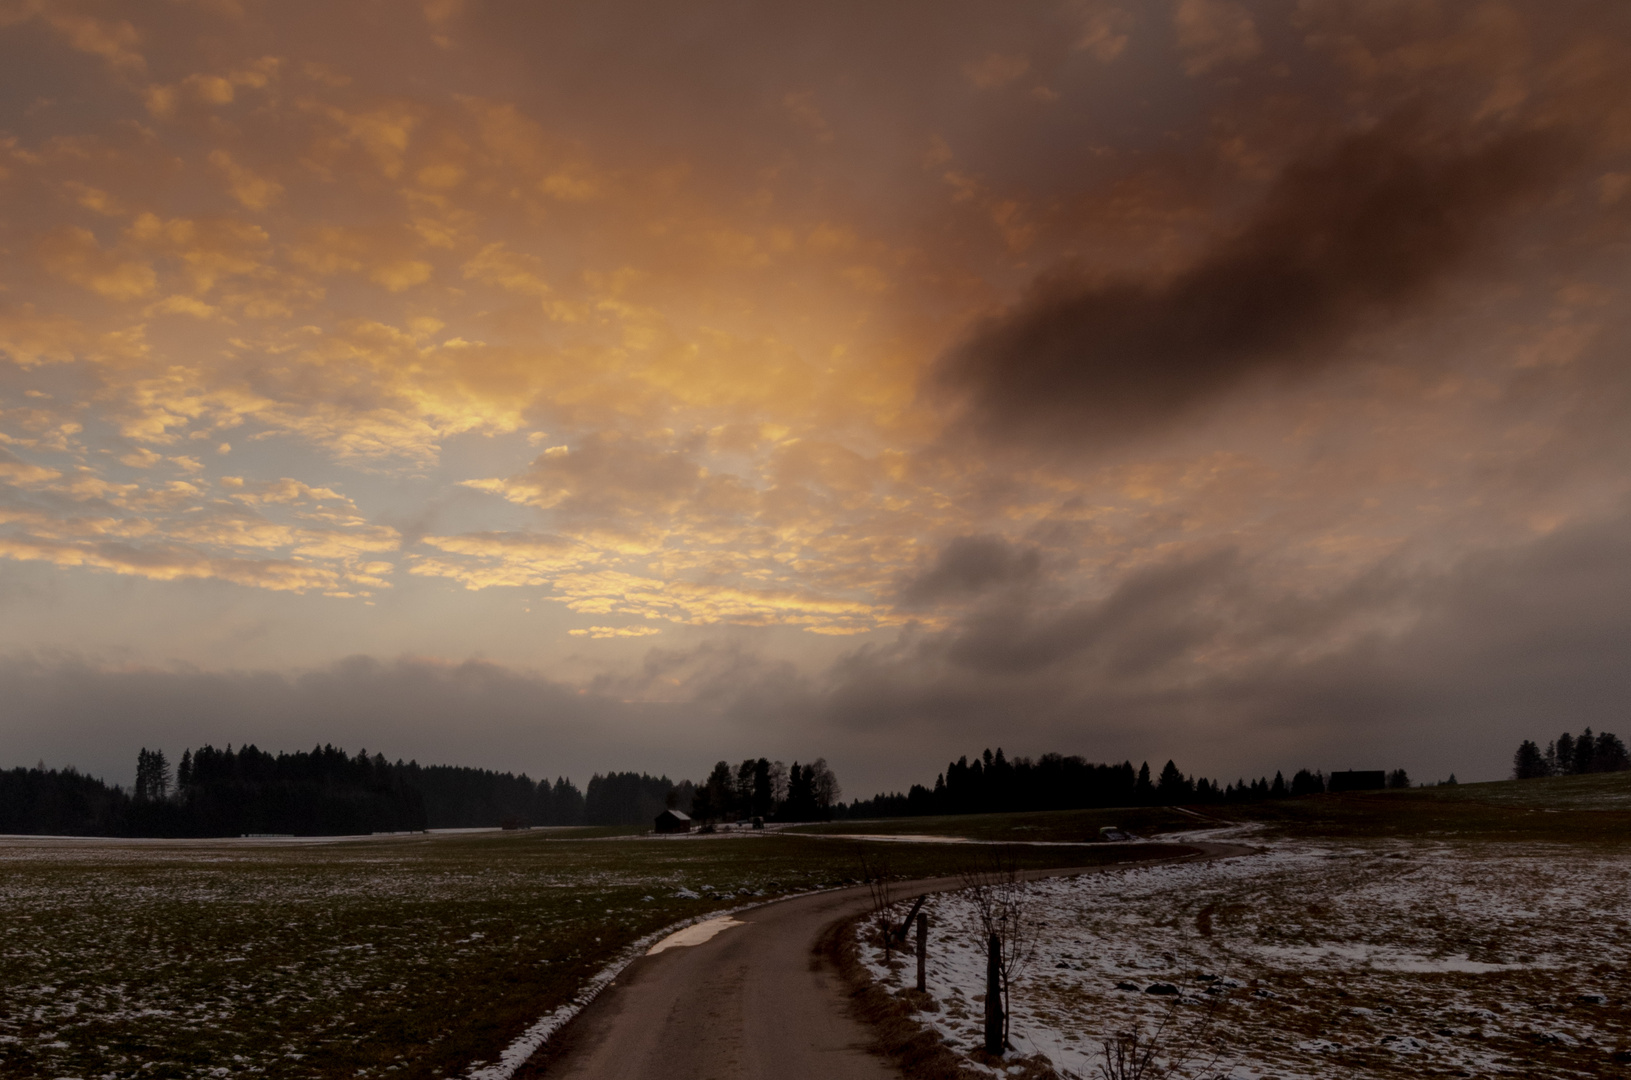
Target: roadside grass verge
<point>892,1018</point>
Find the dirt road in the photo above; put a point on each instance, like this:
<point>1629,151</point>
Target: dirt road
<point>750,1003</point>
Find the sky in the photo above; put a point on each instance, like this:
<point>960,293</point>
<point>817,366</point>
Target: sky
<point>628,385</point>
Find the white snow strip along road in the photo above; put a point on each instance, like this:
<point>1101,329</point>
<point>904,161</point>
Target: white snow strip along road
<point>743,1005</point>
<point>694,935</point>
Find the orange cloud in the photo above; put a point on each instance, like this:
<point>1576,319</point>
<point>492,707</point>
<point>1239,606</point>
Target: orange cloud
<point>73,254</point>
<point>996,70</point>
<point>255,192</point>
<point>658,349</point>
<point>114,41</point>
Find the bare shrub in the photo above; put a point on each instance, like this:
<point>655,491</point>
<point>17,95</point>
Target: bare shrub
<point>875,873</point>
<point>1178,1047</point>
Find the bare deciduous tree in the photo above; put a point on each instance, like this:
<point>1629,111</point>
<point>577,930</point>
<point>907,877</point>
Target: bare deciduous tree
<point>824,785</point>
<point>1004,907</point>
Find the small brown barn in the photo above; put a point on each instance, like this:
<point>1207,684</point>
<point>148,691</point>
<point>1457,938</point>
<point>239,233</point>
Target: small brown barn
<point>672,821</point>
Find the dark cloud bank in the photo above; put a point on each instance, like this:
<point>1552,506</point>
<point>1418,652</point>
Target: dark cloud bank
<point>68,711</point>
<point>1508,645</point>
<point>1360,230</point>
<point>967,567</point>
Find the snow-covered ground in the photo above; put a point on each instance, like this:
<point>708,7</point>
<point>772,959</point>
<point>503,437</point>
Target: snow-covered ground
<point>1361,959</point>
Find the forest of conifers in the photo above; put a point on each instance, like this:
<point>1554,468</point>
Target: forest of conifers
<point>994,783</point>
<point>1569,756</point>
<point>321,792</point>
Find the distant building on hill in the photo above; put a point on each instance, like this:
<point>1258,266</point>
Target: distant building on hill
<point>1358,780</point>
<point>672,821</point>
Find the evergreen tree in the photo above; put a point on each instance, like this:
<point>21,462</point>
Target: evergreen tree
<point>1565,754</point>
<point>999,778</point>
<point>764,795</point>
<point>1308,783</point>
<point>1528,763</point>
<point>722,790</point>
<point>702,805</point>
<point>1279,788</point>
<point>1398,779</point>
<point>152,776</point>
<point>800,804</point>
<point>1143,790</point>
<point>565,803</point>
<point>713,799</point>
<point>1585,750</point>
<point>1172,788</point>
<point>1611,754</point>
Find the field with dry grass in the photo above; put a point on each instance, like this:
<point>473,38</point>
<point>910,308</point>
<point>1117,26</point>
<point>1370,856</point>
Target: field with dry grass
<point>1450,931</point>
<point>400,956</point>
<point>1471,932</point>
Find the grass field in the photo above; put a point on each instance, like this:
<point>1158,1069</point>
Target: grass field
<point>417,956</point>
<point>1045,826</point>
<point>1595,791</point>
<point>1566,808</point>
<point>1576,810</point>
<point>408,956</point>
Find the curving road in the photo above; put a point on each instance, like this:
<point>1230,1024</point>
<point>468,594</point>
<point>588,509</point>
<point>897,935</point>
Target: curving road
<point>751,1002</point>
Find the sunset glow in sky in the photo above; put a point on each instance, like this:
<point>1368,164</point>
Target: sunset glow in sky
<point>577,386</point>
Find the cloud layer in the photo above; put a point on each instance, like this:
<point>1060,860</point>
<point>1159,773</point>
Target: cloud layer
<point>1354,233</point>
<point>864,378</point>
<point>1438,673</point>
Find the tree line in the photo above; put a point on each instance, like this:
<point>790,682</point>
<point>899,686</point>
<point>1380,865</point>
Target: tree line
<point>766,789</point>
<point>1570,756</point>
<point>995,783</point>
<point>321,792</point>
<point>327,792</point>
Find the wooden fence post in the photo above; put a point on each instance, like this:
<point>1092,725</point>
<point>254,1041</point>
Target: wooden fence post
<point>993,996</point>
<point>922,952</point>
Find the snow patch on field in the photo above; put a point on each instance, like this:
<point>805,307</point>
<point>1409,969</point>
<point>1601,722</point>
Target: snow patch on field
<point>1310,959</point>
